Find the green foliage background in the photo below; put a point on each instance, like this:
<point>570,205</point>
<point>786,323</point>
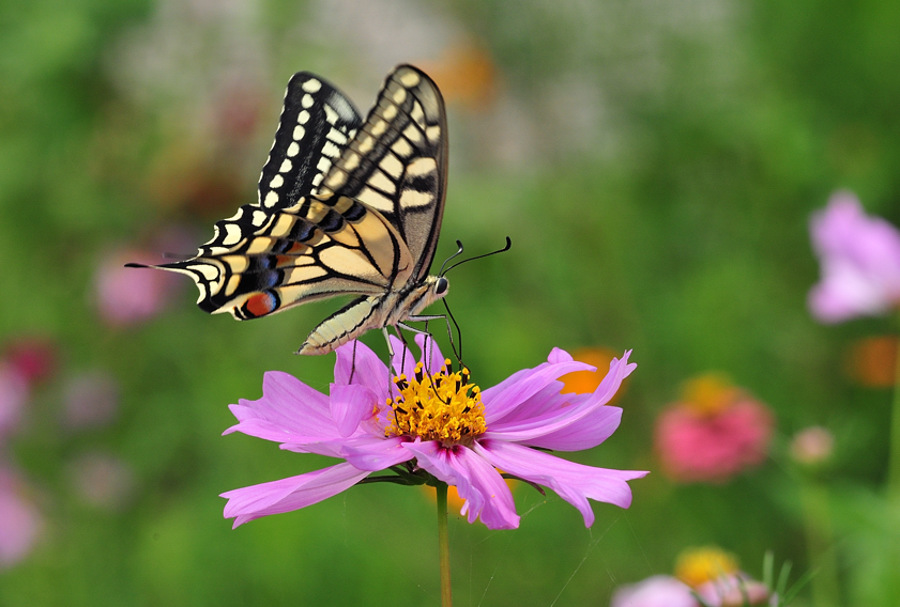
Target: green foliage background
<point>655,165</point>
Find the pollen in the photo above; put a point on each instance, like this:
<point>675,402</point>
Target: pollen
<point>442,406</point>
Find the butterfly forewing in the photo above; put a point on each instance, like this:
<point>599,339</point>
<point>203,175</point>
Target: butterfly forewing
<point>315,125</point>
<point>397,162</point>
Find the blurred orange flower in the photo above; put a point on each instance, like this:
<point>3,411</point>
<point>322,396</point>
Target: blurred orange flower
<point>585,382</point>
<point>872,361</point>
<point>465,74</point>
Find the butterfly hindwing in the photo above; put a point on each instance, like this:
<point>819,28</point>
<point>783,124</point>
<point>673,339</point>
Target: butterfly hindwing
<point>289,260</point>
<point>315,125</point>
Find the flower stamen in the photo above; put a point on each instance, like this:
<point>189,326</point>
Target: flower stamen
<point>441,406</point>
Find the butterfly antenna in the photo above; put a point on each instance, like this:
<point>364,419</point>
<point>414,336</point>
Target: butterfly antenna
<point>505,248</point>
<point>459,251</point>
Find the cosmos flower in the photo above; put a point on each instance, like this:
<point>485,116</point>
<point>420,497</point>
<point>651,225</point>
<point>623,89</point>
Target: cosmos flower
<point>860,257</point>
<point>655,591</point>
<point>713,433</point>
<point>435,424</point>
<point>704,577</point>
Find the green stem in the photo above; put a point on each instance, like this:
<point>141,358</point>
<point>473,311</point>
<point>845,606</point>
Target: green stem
<point>893,479</point>
<point>820,543</point>
<point>444,545</point>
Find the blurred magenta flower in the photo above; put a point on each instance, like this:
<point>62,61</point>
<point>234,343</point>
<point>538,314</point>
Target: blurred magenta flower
<point>434,423</point>
<point>860,257</point>
<point>126,296</point>
<point>655,591</point>
<point>14,395</point>
<point>20,522</point>
<point>35,358</point>
<point>713,433</point>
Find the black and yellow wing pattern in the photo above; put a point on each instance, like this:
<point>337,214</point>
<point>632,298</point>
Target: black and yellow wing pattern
<point>346,206</point>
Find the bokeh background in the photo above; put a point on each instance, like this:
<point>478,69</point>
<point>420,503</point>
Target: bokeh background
<point>655,165</point>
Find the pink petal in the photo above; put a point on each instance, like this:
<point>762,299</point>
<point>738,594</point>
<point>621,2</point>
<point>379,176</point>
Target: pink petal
<point>404,361</point>
<point>511,396</point>
<point>860,258</point>
<point>288,410</point>
<point>567,422</point>
<point>285,495</point>
<point>656,591</point>
<point>350,405</point>
<point>573,482</point>
<point>486,493</point>
<point>374,452</point>
<point>356,359</point>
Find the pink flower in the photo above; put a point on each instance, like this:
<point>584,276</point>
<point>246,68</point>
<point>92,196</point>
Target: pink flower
<point>714,433</point>
<point>126,296</point>
<point>860,257</point>
<point>434,424</point>
<point>20,522</point>
<point>812,446</point>
<point>735,590</point>
<point>656,591</point>
<point>33,357</point>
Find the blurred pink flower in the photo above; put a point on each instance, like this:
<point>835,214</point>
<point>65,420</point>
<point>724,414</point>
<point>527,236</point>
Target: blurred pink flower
<point>860,260</point>
<point>126,296</point>
<point>20,523</point>
<point>436,426</point>
<point>90,400</point>
<point>13,398</point>
<point>812,446</point>
<point>656,591</point>
<point>735,590</point>
<point>102,480</point>
<point>33,357</point>
<point>715,432</point>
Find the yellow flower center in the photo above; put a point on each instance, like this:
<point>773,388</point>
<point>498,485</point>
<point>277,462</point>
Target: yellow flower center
<point>441,406</point>
<point>696,566</point>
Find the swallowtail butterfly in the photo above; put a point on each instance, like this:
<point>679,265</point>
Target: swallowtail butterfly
<point>346,206</point>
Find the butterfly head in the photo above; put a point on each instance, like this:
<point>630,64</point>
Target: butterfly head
<point>432,289</point>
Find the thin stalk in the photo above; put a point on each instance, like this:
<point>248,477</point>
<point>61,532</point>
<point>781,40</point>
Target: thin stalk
<point>444,545</point>
<point>893,479</point>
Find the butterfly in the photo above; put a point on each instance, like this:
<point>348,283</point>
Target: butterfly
<point>346,206</point>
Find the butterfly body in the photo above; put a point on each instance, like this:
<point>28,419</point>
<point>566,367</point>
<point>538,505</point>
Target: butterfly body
<point>345,206</point>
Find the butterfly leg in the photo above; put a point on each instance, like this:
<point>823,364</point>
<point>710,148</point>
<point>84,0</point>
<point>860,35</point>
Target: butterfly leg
<point>426,319</point>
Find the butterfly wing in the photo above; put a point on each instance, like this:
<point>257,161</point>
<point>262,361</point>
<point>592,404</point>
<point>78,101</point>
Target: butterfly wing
<point>264,262</point>
<point>357,217</point>
<point>397,163</point>
<point>315,125</point>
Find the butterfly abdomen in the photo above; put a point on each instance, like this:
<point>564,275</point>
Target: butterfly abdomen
<point>374,312</point>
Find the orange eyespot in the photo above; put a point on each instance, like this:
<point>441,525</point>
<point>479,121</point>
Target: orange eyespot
<point>259,305</point>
